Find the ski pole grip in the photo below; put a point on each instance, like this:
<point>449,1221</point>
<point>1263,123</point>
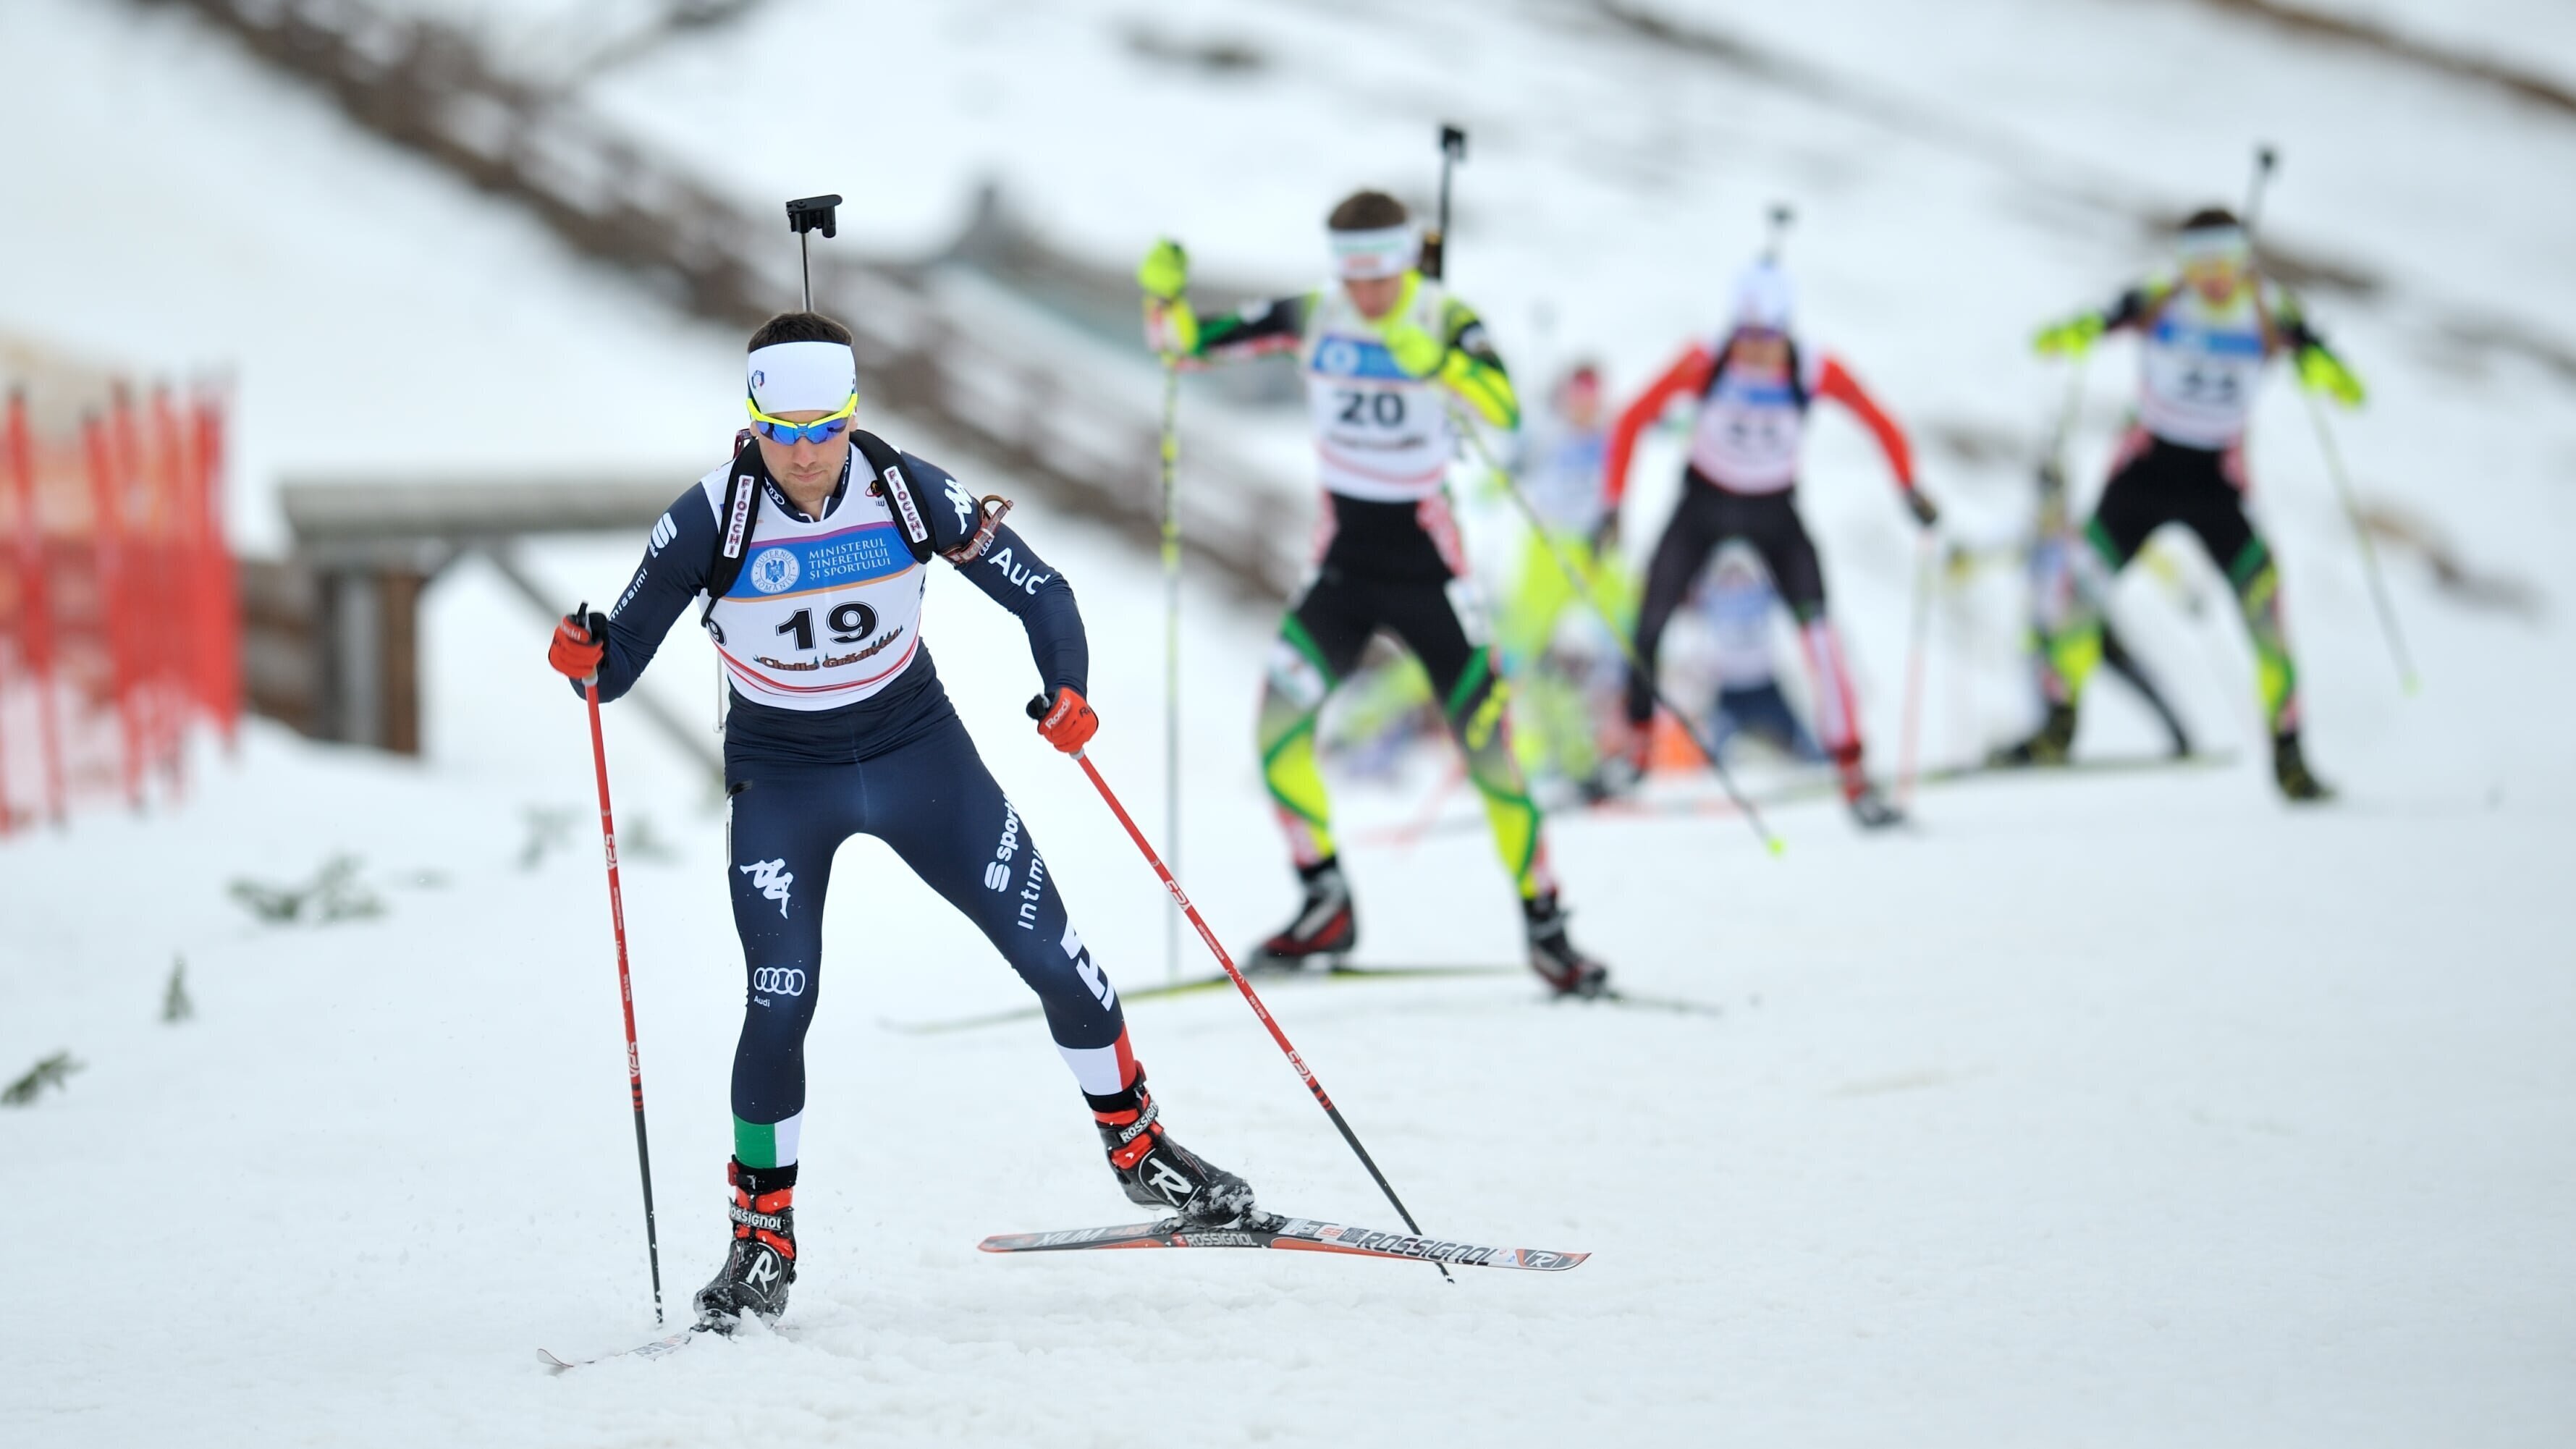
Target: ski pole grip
<point>590,681</point>
<point>1037,706</point>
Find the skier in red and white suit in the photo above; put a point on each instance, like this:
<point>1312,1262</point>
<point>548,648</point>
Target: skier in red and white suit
<point>1752,390</point>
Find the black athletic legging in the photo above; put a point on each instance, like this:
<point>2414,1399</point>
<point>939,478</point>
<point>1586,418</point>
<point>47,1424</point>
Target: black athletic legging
<point>1339,614</point>
<point>2163,483</point>
<point>1706,517</point>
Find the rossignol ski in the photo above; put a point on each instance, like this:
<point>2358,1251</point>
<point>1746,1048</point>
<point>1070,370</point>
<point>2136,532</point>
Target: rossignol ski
<point>1301,1235</point>
<point>658,1348</point>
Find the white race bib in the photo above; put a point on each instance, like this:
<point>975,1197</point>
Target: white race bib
<point>1379,435</point>
<point>2198,367</point>
<point>826,613</point>
<point>1747,434</point>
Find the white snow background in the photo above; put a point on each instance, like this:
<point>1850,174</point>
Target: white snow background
<point>2134,1110</point>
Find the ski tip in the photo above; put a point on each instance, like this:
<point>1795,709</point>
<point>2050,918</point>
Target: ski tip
<point>668,1344</point>
<point>1677,1005</point>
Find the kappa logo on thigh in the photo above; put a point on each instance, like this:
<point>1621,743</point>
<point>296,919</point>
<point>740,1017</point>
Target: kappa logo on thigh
<point>770,878</point>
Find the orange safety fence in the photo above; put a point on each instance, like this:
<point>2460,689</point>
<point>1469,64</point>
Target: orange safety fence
<point>120,627</point>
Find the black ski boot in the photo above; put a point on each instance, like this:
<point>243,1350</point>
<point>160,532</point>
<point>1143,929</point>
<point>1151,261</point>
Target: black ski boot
<point>1157,1172</point>
<point>1553,955</point>
<point>2051,746</point>
<point>1621,775</point>
<point>2290,770</point>
<point>1871,808</point>
<point>1324,925</point>
<point>763,1260</point>
<point>1867,805</point>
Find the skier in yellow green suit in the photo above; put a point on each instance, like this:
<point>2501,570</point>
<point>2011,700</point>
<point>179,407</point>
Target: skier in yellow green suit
<point>1386,353</point>
<point>2205,330</point>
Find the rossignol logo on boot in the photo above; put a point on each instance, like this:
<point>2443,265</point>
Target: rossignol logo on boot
<point>1162,1178</point>
<point>770,878</point>
<point>767,1222</point>
<point>763,1272</point>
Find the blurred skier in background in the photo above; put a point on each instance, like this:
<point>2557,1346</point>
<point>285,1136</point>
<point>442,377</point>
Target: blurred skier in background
<point>2055,545</point>
<point>1383,350</point>
<point>1751,391</point>
<point>1734,603</point>
<point>2205,327</point>
<point>1561,661</point>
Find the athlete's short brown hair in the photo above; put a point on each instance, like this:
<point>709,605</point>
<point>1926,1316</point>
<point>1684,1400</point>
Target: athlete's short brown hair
<point>798,327</point>
<point>1367,211</point>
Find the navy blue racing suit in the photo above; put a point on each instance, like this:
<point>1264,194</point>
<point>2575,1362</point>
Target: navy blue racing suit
<point>897,765</point>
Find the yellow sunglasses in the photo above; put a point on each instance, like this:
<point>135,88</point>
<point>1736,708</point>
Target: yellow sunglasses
<point>779,430</point>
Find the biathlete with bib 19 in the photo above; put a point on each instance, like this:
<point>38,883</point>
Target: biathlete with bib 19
<point>1383,350</point>
<point>1752,389</point>
<point>2205,329</point>
<point>812,569</point>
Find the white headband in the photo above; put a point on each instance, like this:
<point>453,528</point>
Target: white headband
<point>1764,298</point>
<point>1369,256</point>
<point>799,377</point>
<point>2224,241</point>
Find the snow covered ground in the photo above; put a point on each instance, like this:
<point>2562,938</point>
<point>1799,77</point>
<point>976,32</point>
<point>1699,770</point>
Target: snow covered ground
<point>2117,1111</point>
<point>2103,1110</point>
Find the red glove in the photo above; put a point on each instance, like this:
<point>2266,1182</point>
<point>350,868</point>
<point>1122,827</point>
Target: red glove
<point>1070,724</point>
<point>579,642</point>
